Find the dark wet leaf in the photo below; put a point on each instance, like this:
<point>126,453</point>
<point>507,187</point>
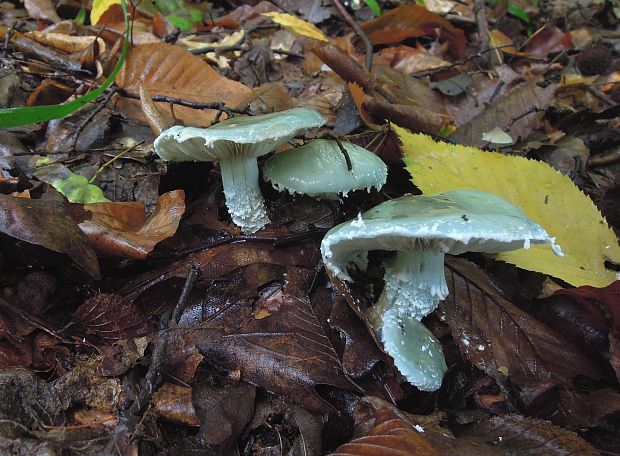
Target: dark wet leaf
<point>283,348</point>
<point>223,412</point>
<point>501,339</point>
<point>111,317</point>
<point>514,434</point>
<point>48,224</point>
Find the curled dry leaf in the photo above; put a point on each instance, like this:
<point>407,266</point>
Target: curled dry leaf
<point>172,71</point>
<point>120,229</point>
<point>47,223</point>
<point>342,63</point>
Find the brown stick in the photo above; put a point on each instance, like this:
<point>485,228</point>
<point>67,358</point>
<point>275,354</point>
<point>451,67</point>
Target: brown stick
<point>358,31</point>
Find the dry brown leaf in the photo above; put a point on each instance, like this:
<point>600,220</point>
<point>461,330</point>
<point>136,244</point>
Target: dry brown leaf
<point>171,71</point>
<point>120,229</point>
<point>517,113</point>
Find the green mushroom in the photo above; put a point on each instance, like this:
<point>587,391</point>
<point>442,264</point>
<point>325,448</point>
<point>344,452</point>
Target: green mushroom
<point>320,169</point>
<point>236,143</point>
<point>422,230</point>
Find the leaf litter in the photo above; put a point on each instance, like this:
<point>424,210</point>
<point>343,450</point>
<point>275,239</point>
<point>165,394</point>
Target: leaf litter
<point>138,318</point>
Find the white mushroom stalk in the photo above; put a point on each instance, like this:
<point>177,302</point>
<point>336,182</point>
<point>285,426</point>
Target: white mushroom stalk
<point>243,196</point>
<point>421,230</point>
<point>236,143</point>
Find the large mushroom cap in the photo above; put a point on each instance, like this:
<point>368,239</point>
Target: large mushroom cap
<point>319,169</point>
<point>452,222</point>
<point>247,136</point>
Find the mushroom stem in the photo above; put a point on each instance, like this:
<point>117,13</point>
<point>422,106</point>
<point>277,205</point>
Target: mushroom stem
<point>415,283</point>
<point>243,197</point>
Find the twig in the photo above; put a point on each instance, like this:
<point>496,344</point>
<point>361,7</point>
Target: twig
<point>605,159</point>
<point>154,375</point>
<point>358,31</point>
<point>109,162</point>
<point>130,417</point>
<point>238,46</point>
<point>483,24</point>
<point>190,104</point>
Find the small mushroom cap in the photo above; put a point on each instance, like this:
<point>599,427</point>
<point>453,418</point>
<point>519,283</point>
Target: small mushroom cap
<point>319,169</point>
<point>452,222</point>
<point>246,137</point>
<point>417,353</point>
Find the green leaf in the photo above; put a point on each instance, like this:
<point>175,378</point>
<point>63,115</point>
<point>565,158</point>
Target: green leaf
<point>77,190</point>
<point>518,12</point>
<point>80,18</point>
<point>374,6</point>
<point>15,117</point>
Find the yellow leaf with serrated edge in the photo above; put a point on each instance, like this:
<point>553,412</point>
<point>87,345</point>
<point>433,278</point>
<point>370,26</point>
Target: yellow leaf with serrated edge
<point>296,25</point>
<point>546,196</point>
<point>99,7</point>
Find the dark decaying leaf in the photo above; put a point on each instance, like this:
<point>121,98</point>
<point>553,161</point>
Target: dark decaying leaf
<point>361,353</point>
<point>111,317</point>
<point>282,347</point>
<point>218,261</point>
<point>174,403</point>
<point>223,412</point>
<point>501,339</point>
<point>515,434</point>
<point>517,113</point>
<point>47,223</point>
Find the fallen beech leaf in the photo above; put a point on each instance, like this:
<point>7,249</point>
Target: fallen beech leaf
<point>359,98</point>
<point>297,25</point>
<point>111,317</point>
<point>174,403</point>
<point>119,229</point>
<point>67,43</point>
<point>46,223</point>
<point>172,71</point>
<point>412,21</point>
<point>501,339</point>
<point>544,195</point>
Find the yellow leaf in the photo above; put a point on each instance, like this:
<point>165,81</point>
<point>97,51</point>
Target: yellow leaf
<point>100,7</point>
<point>546,196</point>
<point>296,25</point>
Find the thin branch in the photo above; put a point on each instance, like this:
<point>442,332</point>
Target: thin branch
<point>358,31</point>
